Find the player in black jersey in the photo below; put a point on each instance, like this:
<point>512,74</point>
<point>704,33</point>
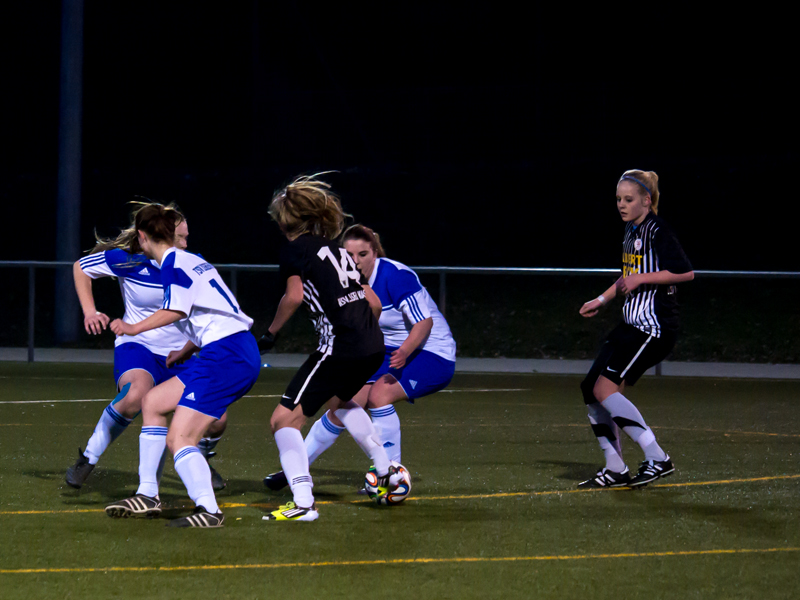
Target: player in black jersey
<point>652,263</point>
<point>320,274</point>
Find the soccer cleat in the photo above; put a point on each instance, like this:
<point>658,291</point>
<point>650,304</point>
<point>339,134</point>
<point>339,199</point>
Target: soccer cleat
<point>217,482</point>
<point>200,517</point>
<point>385,484</point>
<point>292,512</point>
<point>135,506</point>
<point>77,473</point>
<point>607,479</point>
<point>276,481</point>
<point>650,470</point>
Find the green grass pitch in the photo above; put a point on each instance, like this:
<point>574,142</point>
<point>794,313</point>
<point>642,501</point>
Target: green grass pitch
<point>493,512</point>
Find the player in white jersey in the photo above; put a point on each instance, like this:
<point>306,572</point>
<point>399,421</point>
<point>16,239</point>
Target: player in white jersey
<point>420,351</point>
<point>653,262</point>
<point>140,361</point>
<point>202,307</point>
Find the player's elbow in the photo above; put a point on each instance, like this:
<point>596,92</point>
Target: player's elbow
<point>689,276</point>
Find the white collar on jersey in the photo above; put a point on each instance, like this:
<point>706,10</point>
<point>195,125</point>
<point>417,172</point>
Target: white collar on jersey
<point>374,275</point>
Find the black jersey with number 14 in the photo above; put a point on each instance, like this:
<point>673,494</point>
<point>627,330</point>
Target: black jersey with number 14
<point>333,295</point>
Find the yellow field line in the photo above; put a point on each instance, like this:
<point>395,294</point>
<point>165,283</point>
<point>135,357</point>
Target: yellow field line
<point>429,498</point>
<point>404,561</point>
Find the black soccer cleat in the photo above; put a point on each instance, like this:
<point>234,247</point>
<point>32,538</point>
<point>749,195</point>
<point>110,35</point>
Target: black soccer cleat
<point>607,479</point>
<point>78,473</point>
<point>200,517</point>
<point>276,481</point>
<point>650,470</point>
<point>135,506</point>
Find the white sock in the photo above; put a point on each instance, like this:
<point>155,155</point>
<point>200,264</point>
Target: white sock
<point>320,437</point>
<point>193,469</point>
<point>387,426</point>
<point>108,428</point>
<point>294,462</point>
<point>152,442</point>
<point>628,417</point>
<point>607,434</point>
<point>360,426</point>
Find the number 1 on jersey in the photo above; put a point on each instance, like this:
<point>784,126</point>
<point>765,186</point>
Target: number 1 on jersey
<point>218,287</point>
<point>345,268</point>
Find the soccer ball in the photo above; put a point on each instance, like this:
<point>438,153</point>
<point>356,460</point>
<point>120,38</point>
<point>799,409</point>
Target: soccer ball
<point>399,478</point>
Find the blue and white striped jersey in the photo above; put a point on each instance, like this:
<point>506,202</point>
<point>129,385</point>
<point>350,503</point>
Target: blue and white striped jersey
<point>405,302</point>
<point>142,293</point>
<point>195,288</point>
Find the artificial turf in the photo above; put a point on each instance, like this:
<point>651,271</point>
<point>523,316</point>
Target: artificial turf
<point>493,512</point>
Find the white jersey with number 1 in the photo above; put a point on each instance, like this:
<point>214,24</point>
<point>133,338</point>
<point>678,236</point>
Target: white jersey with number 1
<point>195,288</point>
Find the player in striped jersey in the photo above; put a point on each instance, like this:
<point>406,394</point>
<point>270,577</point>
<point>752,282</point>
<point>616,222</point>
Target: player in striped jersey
<point>205,311</point>
<point>320,274</point>
<point>420,351</point>
<point>653,262</point>
<point>140,361</point>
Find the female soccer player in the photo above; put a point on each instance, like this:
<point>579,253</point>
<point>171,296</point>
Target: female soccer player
<point>343,308</point>
<point>652,263</point>
<point>140,361</point>
<point>206,312</point>
<point>420,351</point>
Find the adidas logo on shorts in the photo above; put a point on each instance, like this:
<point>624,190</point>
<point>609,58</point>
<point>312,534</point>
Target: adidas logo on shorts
<point>190,397</point>
<point>413,384</point>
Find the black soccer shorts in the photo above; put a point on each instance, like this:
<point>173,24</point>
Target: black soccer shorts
<point>625,355</point>
<point>323,376</point>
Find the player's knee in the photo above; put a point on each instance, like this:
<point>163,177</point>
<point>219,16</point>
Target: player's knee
<point>172,440</point>
<point>603,388</point>
<point>385,391</point>
<point>128,402</point>
<point>334,419</point>
<point>217,428</point>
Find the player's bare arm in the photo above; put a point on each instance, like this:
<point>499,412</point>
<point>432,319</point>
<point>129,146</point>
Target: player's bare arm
<point>592,307</point>
<point>418,334</point>
<point>160,318</point>
<point>290,302</point>
<point>178,357</point>
<point>94,321</point>
<point>374,301</point>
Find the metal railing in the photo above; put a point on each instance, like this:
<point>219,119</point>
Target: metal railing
<point>442,272</point>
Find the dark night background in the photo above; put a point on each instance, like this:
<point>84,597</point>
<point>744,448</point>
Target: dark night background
<point>466,136</point>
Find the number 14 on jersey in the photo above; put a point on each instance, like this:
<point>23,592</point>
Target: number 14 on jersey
<point>345,267</point>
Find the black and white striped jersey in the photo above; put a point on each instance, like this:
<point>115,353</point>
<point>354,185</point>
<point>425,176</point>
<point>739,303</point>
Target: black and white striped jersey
<point>333,295</point>
<point>647,248</point>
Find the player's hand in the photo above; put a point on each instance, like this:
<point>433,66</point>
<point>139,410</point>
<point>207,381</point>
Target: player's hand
<point>266,343</point>
<point>120,327</point>
<point>176,357</point>
<point>96,323</point>
<point>399,358</point>
<point>591,308</point>
<point>627,284</point>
